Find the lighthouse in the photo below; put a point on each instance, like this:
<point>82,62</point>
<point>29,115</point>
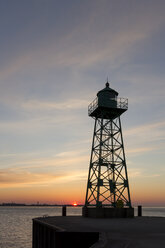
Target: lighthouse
<point>108,192</point>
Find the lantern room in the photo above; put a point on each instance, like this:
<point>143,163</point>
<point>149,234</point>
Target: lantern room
<point>107,104</point>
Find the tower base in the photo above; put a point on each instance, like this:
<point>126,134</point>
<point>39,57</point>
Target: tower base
<point>107,212</point>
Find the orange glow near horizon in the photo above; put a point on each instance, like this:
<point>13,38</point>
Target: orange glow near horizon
<point>73,193</point>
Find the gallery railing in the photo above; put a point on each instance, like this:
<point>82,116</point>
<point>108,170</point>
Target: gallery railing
<point>121,103</point>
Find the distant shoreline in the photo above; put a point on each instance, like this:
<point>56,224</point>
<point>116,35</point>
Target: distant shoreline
<point>36,205</point>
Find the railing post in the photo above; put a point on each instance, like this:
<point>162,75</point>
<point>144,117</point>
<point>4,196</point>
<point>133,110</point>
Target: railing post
<point>139,211</point>
<point>64,210</point>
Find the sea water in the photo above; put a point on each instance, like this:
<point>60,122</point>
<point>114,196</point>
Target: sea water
<point>16,222</point>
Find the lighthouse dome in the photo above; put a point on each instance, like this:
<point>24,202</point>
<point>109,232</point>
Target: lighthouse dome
<point>107,92</point>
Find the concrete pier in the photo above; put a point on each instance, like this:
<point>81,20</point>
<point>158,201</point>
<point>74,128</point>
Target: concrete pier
<point>46,234</point>
<point>72,231</point>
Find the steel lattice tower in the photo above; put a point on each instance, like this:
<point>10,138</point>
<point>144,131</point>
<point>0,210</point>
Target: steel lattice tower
<point>107,179</point>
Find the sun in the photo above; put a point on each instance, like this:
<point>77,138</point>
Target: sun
<point>75,204</point>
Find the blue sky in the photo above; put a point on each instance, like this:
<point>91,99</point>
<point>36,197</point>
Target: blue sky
<point>55,56</point>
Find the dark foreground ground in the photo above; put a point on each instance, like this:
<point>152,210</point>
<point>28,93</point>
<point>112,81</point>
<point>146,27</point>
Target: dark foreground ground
<point>138,232</point>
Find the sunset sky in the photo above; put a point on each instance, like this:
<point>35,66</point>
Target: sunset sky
<point>55,55</point>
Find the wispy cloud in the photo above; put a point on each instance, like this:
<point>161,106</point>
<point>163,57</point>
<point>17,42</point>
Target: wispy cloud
<point>67,104</point>
<point>65,167</point>
<point>21,178</point>
<point>142,173</point>
<point>73,50</point>
<point>147,132</point>
<point>140,150</point>
<point>14,177</point>
<point>34,124</point>
<point>70,160</point>
<point>20,62</point>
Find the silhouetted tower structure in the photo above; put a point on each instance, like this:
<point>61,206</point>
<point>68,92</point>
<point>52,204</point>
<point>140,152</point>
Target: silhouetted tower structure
<point>107,184</point>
